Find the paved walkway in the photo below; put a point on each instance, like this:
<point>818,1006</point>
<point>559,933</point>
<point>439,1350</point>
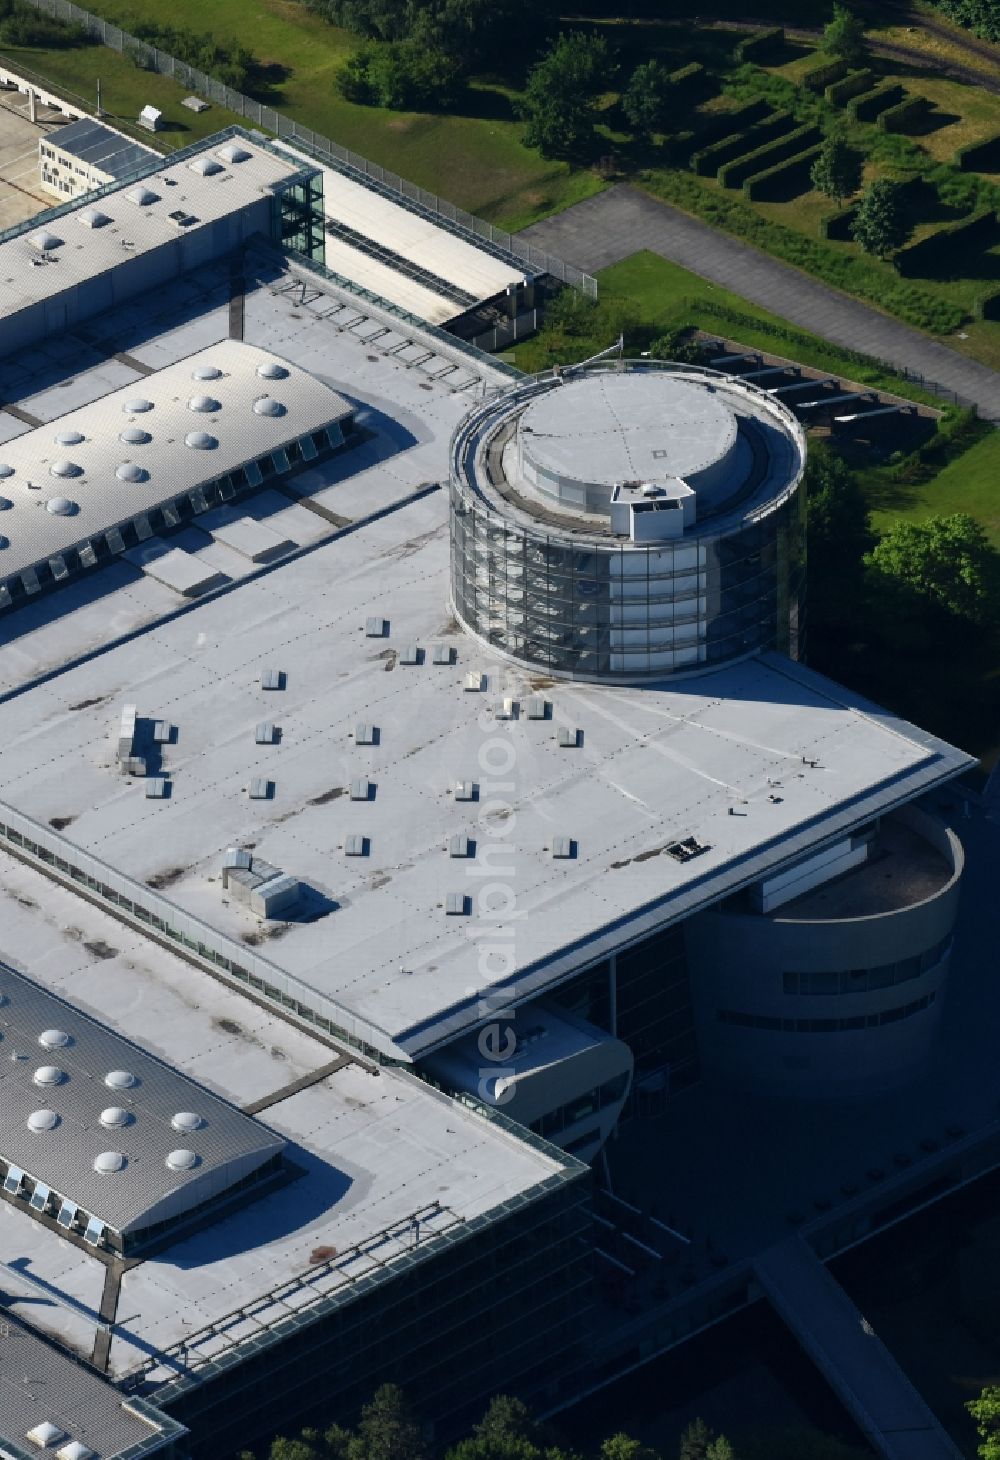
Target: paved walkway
<point>616,223</point>
<point>854,1361</point>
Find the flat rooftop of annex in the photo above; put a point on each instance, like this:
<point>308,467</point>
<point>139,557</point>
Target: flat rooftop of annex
<point>758,762</point>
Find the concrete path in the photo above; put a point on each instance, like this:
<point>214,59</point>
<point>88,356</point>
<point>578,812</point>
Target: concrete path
<point>604,229</point>
<point>855,1363</point>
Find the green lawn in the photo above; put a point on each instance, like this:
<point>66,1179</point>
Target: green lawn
<point>970,484</point>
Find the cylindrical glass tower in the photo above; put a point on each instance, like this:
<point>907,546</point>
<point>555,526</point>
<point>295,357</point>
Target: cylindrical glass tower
<point>628,521</point>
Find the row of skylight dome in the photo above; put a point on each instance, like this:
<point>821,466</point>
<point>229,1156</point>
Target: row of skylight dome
<point>45,241</point>
<point>114,1118</point>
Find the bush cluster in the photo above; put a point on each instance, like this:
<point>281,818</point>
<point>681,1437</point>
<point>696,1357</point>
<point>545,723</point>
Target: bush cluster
<point>22,25</point>
<point>228,61</point>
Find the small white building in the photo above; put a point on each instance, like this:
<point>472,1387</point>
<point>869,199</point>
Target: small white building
<point>84,155</point>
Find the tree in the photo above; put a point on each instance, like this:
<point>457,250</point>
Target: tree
<point>506,1419</point>
<point>844,36</point>
<point>560,98</point>
<point>838,529</point>
<point>944,563</point>
<point>623,1447</point>
<point>387,1429</point>
<point>881,225</point>
<point>646,99</point>
<point>837,170</point>
<point>401,75</point>
<point>986,1412</point>
<point>695,1441</point>
<point>720,1449</point>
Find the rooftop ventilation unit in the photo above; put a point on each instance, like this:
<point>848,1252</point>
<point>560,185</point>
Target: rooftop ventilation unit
<point>562,846</point>
<point>237,857</point>
<point>162,732</point>
<point>376,628</point>
<point>156,788</point>
<point>569,739</point>
<point>412,654</point>
<point>460,845</point>
<point>538,708</point>
<point>260,789</point>
<point>365,733</point>
<point>443,654</point>
<point>361,789</point>
<point>272,679</point>
<point>473,681</point>
<point>150,118</point>
<point>466,791</point>
<point>507,710</point>
<point>266,734</point>
<point>456,905</point>
<point>355,846</point>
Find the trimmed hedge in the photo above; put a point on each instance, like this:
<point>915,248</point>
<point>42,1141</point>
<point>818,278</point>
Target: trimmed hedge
<point>900,118</point>
<point>979,156</point>
<point>837,225</point>
<point>987,306</point>
<point>707,161</point>
<point>762,46</point>
<point>734,174</point>
<point>867,106</point>
<point>688,77</point>
<point>711,126</point>
<point>855,83</point>
<point>824,75</point>
<point>773,183</point>
<point>931,254</point>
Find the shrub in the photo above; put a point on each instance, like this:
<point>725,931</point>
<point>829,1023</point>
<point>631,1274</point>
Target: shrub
<point>762,46</point>
<point>902,116</point>
<point>784,180</point>
<point>710,126</point>
<point>867,106</point>
<point>855,83</point>
<point>708,160</point>
<point>824,75</point>
<point>945,246</point>
<point>837,225</point>
<point>734,174</point>
<point>402,75</point>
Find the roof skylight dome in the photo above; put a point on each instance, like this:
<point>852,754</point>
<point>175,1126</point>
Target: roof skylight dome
<point>142,196</point>
<point>45,241</point>
<point>75,1450</point>
<point>49,1075</point>
<point>130,472</point>
<point>271,370</point>
<point>54,1039</point>
<point>206,372</point>
<point>93,218</point>
<point>203,403</point>
<point>137,405</point>
<point>64,468</point>
<point>135,436</point>
<point>69,438</point>
<point>61,507</point>
<point>46,1434</point>
<point>5,504</point>
<point>266,405</point>
<point>120,1080</point>
<point>187,1120</point>
<point>115,1117</point>
<point>44,1119</point>
<point>207,166</point>
<point>200,441</point>
<point>108,1162</point>
<point>232,153</point>
<point>5,470</point>
<point>182,1160</point>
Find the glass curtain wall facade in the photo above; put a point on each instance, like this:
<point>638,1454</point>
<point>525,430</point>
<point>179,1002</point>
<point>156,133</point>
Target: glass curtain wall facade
<point>299,220</point>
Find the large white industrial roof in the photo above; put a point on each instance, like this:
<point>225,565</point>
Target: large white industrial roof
<point>759,762</point>
<point>102,1123</point>
<point>148,443</point>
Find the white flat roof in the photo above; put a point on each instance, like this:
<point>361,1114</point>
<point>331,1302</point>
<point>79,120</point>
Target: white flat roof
<point>39,471</point>
<point>721,757</point>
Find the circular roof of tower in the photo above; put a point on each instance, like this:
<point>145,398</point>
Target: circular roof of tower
<point>578,441</point>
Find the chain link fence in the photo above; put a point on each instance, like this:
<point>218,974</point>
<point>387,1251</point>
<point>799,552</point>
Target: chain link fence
<point>320,147</point>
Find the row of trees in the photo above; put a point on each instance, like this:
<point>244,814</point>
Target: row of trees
<point>389,1430</point>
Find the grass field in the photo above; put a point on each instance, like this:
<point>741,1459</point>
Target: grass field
<point>970,484</point>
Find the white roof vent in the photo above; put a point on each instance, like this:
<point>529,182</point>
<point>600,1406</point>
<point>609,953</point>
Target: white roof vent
<point>206,166</point>
<point>142,197</point>
<point>54,1039</point>
<point>46,1434</point>
<point>61,507</point>
<point>271,370</point>
<point>115,1117</point>
<point>130,472</point>
<point>266,405</point>
<point>120,1080</point>
<point>75,1450</point>
<point>187,1120</point>
<point>204,403</point>
<point>49,1075</point>
<point>69,438</point>
<point>45,241</point>
<point>232,153</point>
<point>135,436</point>
<point>182,1160</point>
<point>65,469</point>
<point>237,857</point>
<point>108,1162</point>
<point>206,372</point>
<point>137,405</point>
<point>5,470</point>
<point>44,1119</point>
<point>93,218</point>
<point>200,441</point>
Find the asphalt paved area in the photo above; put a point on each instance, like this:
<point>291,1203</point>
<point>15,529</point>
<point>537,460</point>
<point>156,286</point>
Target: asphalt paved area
<point>614,224</point>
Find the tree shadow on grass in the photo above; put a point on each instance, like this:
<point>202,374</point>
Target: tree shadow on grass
<point>265,81</point>
<point>484,102</point>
